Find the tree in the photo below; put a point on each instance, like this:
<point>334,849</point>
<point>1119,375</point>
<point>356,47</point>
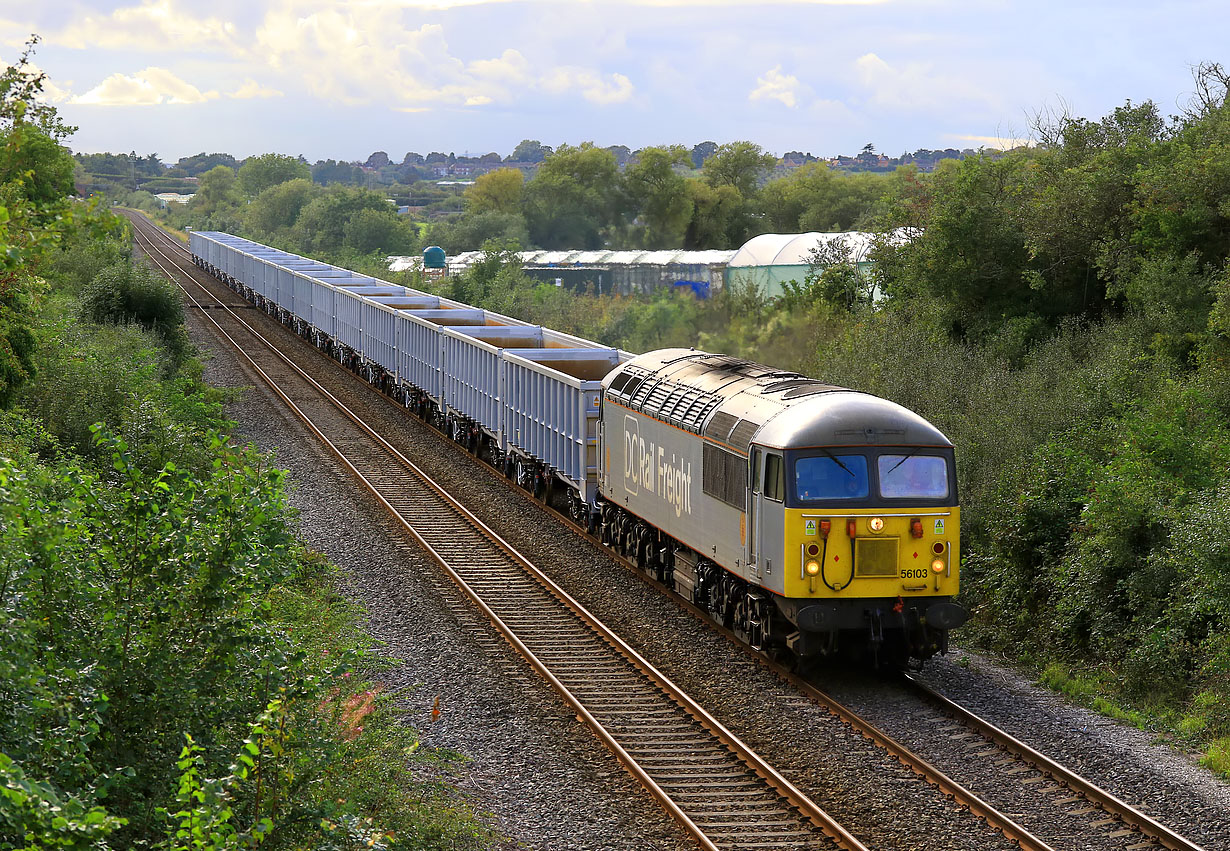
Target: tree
<point>331,171</point>
<point>34,165</point>
<point>529,151</point>
<point>738,164</point>
<point>496,191</point>
<point>203,162</point>
<point>816,198</point>
<point>379,159</point>
<point>322,224</point>
<point>259,173</point>
<point>217,189</point>
<point>659,192</point>
<point>702,152</point>
<point>374,230</point>
<point>471,231</point>
<point>278,207</point>
<point>572,197</point>
<point>716,218</point>
<point>21,94</point>
<point>35,178</point>
<point>621,153</point>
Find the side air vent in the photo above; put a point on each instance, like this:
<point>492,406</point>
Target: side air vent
<point>741,437</point>
<point>719,427</point>
<point>724,476</point>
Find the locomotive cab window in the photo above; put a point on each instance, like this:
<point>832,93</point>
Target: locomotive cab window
<point>774,478</point>
<point>827,476</point>
<point>912,476</point>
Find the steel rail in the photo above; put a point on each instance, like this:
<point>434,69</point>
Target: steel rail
<point>1117,807</point>
<point>773,779</point>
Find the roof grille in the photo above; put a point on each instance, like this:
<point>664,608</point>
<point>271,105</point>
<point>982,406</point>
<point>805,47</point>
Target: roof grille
<point>671,402</point>
<point>809,390</point>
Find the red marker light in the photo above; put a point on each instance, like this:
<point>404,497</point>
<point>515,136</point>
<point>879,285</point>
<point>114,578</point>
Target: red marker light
<point>851,528</point>
<point>916,528</point>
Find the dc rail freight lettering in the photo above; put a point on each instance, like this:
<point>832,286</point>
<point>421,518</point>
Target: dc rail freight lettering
<point>805,517</point>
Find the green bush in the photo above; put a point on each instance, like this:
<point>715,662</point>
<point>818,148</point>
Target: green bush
<point>133,292</point>
<point>124,377</point>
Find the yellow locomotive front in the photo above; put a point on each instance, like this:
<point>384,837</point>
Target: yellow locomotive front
<point>867,532</point>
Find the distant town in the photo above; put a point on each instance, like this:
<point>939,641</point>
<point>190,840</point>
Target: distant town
<point>106,173</point>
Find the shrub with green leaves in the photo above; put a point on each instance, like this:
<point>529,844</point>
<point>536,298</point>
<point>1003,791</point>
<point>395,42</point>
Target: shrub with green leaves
<point>133,292</point>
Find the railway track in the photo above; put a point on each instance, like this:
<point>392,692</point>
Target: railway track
<point>1063,788</point>
<point>720,790</point>
<point>1057,788</point>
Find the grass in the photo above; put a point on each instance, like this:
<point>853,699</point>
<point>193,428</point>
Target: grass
<point>381,767</point>
<point>1217,757</point>
<point>1095,693</point>
<point>1190,729</point>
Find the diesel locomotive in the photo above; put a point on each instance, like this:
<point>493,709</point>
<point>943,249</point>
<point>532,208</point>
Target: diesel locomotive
<point>797,513</point>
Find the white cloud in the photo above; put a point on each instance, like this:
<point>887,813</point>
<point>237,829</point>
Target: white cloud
<point>775,85</point>
<point>916,86</point>
<point>14,33</point>
<point>615,88</point>
<point>145,88</point>
<point>251,89</point>
<point>751,5</point>
<point>155,25</point>
<point>342,51</point>
<point>833,112</point>
<point>510,69</point>
<point>363,52</point>
<point>453,4</point>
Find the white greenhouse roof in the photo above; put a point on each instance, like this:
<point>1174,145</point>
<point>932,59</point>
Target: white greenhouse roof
<point>600,257</point>
<point>792,249</point>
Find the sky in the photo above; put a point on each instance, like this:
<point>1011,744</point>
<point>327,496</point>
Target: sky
<point>339,79</point>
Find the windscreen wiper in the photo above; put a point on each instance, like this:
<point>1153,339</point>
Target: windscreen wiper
<point>913,452</point>
<point>837,461</point>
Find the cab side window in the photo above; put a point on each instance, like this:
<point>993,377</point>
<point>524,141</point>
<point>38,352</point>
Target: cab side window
<point>774,478</point>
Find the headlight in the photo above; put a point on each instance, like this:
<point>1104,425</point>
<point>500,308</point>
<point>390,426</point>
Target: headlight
<point>938,566</point>
<point>876,524</point>
<point>812,567</point>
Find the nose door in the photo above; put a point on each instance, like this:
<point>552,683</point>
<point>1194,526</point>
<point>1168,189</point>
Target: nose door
<point>755,472</point>
<point>766,517</point>
<point>771,519</point>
